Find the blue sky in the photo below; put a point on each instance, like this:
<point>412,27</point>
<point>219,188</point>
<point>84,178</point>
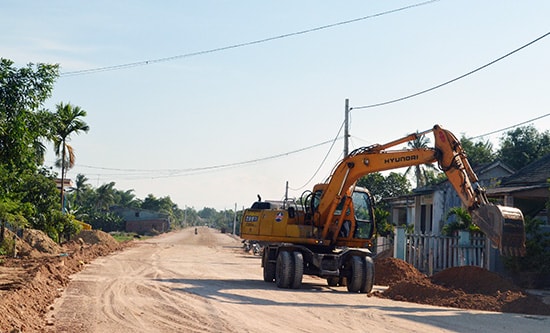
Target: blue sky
<point>163,128</point>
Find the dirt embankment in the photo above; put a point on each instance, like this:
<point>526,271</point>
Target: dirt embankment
<point>466,287</point>
<point>30,283</point>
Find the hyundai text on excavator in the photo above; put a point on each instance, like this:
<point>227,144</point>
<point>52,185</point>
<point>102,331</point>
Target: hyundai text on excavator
<point>328,232</point>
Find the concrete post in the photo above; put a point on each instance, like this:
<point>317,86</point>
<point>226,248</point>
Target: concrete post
<point>463,245</point>
<point>399,244</point>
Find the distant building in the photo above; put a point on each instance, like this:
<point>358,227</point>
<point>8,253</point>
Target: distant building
<point>142,221</point>
<point>67,183</point>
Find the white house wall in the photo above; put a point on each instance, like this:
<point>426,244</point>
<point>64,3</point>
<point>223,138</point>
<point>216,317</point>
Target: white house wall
<point>438,211</point>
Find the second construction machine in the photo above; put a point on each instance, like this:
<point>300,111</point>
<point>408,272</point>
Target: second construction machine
<point>328,233</point>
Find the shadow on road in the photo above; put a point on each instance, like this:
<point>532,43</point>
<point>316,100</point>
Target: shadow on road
<point>239,292</point>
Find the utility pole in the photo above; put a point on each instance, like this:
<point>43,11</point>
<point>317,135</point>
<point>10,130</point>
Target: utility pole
<point>235,219</point>
<point>346,129</point>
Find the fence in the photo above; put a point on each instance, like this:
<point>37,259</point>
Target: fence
<point>434,253</point>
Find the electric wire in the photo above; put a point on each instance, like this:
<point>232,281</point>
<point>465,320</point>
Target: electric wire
<point>450,81</point>
<point>179,172</point>
<point>168,173</point>
<point>234,46</point>
<point>509,127</point>
<point>322,162</point>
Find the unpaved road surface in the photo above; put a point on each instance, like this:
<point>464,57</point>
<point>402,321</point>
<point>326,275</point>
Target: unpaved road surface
<point>182,282</point>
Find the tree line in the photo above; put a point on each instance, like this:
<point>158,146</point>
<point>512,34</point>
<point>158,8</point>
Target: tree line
<point>93,206</point>
<point>29,197</point>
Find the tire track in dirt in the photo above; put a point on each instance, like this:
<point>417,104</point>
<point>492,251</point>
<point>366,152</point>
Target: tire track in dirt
<point>183,282</point>
<point>128,296</point>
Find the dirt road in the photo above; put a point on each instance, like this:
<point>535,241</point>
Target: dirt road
<point>182,282</point>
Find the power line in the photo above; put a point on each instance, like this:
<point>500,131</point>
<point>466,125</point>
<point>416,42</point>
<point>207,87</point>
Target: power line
<point>180,172</point>
<point>450,81</point>
<point>234,46</point>
<point>168,173</point>
<point>510,127</point>
<point>322,162</point>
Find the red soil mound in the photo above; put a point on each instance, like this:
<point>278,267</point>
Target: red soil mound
<point>464,287</point>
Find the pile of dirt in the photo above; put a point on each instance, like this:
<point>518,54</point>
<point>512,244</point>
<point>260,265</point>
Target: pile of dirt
<point>465,287</point>
<point>96,237</point>
<point>390,271</point>
<point>473,280</point>
<point>40,242</point>
<point>30,284</point>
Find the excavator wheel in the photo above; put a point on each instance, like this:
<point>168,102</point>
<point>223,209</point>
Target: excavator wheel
<point>283,270</point>
<point>357,274</point>
<point>298,271</point>
<point>368,271</point>
<point>269,268</point>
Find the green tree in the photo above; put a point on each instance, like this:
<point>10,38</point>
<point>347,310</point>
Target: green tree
<point>523,145</point>
<point>67,121</point>
<point>80,188</point>
<point>105,196</point>
<point>462,221</point>
<point>383,226</point>
<point>39,191</point>
<point>478,152</point>
<point>419,172</point>
<point>9,213</point>
<point>23,126</point>
<point>393,185</point>
<point>433,177</point>
<point>126,199</point>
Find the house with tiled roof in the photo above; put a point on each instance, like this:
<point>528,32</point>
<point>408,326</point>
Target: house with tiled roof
<point>527,189</point>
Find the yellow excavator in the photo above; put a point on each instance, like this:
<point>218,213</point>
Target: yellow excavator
<point>328,231</point>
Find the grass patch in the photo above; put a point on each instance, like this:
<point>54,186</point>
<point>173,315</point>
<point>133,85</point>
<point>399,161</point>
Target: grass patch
<point>122,237</point>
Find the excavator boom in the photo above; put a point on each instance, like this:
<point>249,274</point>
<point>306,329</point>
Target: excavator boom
<point>504,226</point>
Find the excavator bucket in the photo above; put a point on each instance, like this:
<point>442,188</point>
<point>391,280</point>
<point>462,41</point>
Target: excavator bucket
<point>504,226</point>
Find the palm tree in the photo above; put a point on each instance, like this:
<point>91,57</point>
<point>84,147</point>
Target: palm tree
<point>80,186</point>
<point>420,171</point>
<point>463,221</point>
<point>67,122</point>
<point>127,199</point>
<point>105,196</point>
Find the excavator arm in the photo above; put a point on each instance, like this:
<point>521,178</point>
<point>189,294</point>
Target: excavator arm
<point>504,226</point>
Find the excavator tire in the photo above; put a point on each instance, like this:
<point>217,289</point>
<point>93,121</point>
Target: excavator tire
<point>298,272</point>
<point>269,268</point>
<point>368,271</point>
<point>357,276</point>
<point>283,271</point>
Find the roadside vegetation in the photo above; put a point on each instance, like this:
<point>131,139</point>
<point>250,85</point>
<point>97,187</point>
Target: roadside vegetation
<point>29,197</point>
